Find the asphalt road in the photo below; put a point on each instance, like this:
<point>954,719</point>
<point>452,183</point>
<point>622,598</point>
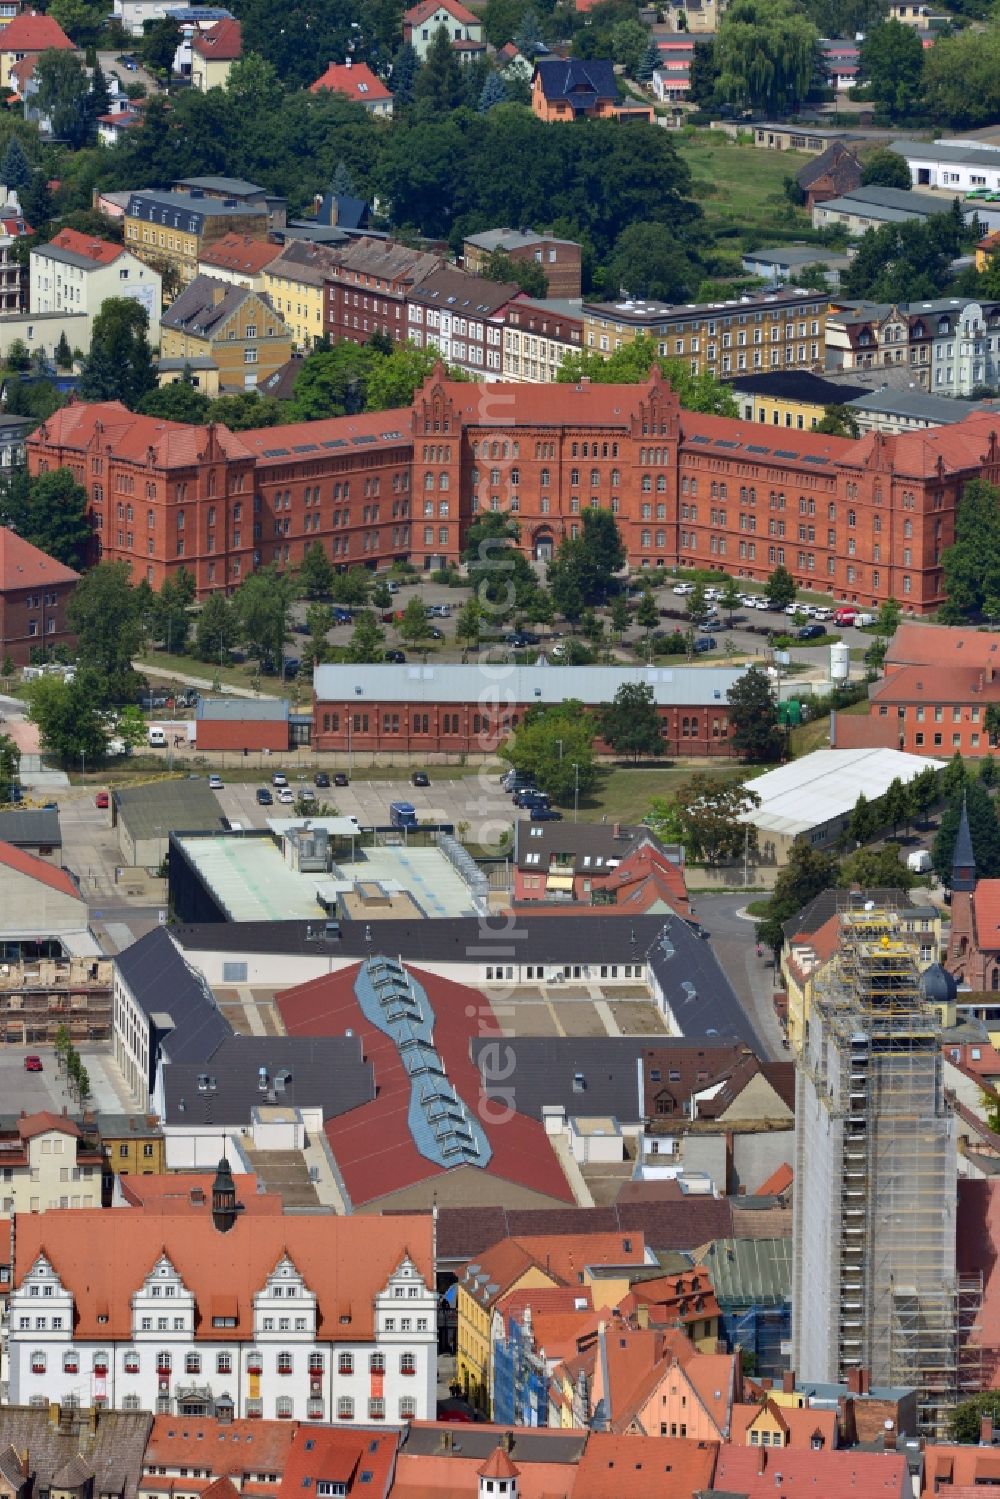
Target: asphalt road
<point>733,941</point>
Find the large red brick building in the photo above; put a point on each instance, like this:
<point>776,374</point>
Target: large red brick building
<point>864,520</point>
<point>34,592</point>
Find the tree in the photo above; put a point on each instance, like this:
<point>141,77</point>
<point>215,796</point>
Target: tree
<point>104,614</point>
<point>69,717</point>
<point>954,776</point>
<point>648,63</point>
<point>493,93</point>
<point>168,620</point>
<point>971,566</point>
<point>100,94</point>
<point>319,623</point>
<point>647,616</point>
<point>315,575</point>
<point>887,619</point>
<point>394,380</point>
<point>566,581</point>
<point>10,766</point>
<point>649,262</point>
<point>924,790</point>
<point>766,53</point>
<point>62,94</point>
<point>261,603</point>
<point>983,827</point>
<point>780,588</point>
<point>180,401</point>
<point>528,37</point>
<point>876,869</point>
<point>864,821</point>
<point>403,76</point>
<point>556,746</point>
<point>839,421</point>
<point>414,627</point>
<point>468,622</point>
<point>502,576</point>
<point>895,805</point>
<point>731,598</point>
<point>704,74</point>
<point>629,44</point>
<point>217,629</point>
<point>696,603</point>
<point>527,274</point>
<point>807,874</point>
<point>36,201</point>
<point>438,88</point>
<point>342,183</point>
<point>15,168</point>
<point>63,353</point>
<point>885,168</point>
<point>367,639</point>
<point>18,355</point>
<point>50,511</point>
<point>966,1418</point>
<point>381,595</point>
<point>119,366</point>
<point>892,64</point>
<point>333,382</point>
<point>961,86</point>
<point>711,816</point>
<point>753,718</point>
<point>631,723</point>
<point>158,45</point>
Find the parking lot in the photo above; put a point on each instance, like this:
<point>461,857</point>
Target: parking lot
<point>472,800</point>
<point>34,1091</point>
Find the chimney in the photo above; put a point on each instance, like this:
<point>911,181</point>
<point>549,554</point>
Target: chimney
<point>864,1381</point>
<point>53,1415</point>
<point>788,1381</point>
<point>447,1441</point>
<point>986,1431</point>
<point>508,1441</point>
<point>616,830</point>
<point>854,1381</point>
<point>642,1315</point>
<point>761,1460</point>
<point>218,293</point>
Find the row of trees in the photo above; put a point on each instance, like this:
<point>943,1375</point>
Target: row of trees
<point>70,1060</point>
<point>956,82</point>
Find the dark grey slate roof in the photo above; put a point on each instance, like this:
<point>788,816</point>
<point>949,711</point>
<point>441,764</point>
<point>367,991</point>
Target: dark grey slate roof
<point>543,1068</point>
<point>329,1072</point>
<point>528,1444</point>
<point>581,81</point>
<point>162,983</point>
<point>819,910</point>
<point>32,828</point>
<point>683,1223</point>
<point>114,1451</point>
<point>698,992</point>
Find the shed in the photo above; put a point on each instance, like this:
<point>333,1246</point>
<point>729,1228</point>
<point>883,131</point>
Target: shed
<point>242,724</point>
<point>145,816</point>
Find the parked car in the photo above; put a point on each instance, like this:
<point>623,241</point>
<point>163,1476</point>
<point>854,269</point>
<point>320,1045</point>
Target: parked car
<point>710,622</point>
<point>101,800</point>
<point>153,700</point>
<point>519,639</point>
<point>279,778</point>
<point>545,814</point>
<point>128,63</point>
<point>264,797</point>
<point>705,643</point>
<point>846,614</point>
<point>862,620</point>
<point>286,795</point>
<point>292,667</point>
<point>436,634</point>
<point>810,632</point>
<point>215,783</point>
<point>32,1063</point>
<point>683,588</point>
<point>820,611</point>
<point>306,794</point>
<point>392,587</point>
<point>321,778</point>
<point>516,780</point>
<point>397,658</point>
<point>530,796</point>
<point>440,611</point>
<point>420,778</point>
<point>748,600</point>
<point>341,779</point>
<point>343,616</point>
<point>761,603</point>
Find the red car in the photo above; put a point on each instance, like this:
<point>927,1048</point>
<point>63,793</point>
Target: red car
<point>32,1064</point>
<point>101,799</point>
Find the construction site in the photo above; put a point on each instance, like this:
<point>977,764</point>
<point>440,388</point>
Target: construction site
<point>874,1277</point>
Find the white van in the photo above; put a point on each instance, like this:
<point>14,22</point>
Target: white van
<point>157,739</point>
<point>919,861</point>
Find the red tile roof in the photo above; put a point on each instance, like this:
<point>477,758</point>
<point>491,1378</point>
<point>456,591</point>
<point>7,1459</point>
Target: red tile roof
<point>373,1146</point>
<point>344,1261</point>
<point>354,81</point>
<point>222,42</point>
<point>191,1192</point>
<point>634,1467</point>
<point>238,252</point>
<point>418,14</point>
<point>25,566</point>
<point>957,449</point>
<point>30,32</point>
<point>22,862</point>
<point>328,1454</point>
<point>956,683</point>
<point>779,1181</point>
<point>801,1426</point>
<point>978,1241</point>
<point>100,251</point>
<point>753,1472</point>
<point>986,905</point>
<point>112,428</point>
<point>220,1446</point>
<point>941,645</point>
<point>951,1469</point>
<point>44,1122</point>
<point>498,1465</point>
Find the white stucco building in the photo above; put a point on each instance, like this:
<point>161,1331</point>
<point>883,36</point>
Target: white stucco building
<point>77,273</point>
<point>225,1311</point>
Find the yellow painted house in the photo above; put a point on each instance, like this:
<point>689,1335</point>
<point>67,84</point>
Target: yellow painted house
<point>504,1268</point>
<point>224,337</point>
<point>794,400</point>
<point>296,282</point>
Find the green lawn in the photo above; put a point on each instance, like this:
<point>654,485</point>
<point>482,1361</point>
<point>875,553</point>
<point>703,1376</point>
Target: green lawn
<point>624,794</point>
<point>743,186</point>
<point>815,735</point>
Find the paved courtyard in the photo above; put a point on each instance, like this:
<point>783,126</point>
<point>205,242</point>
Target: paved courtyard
<point>34,1091</point>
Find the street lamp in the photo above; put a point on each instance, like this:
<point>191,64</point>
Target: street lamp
<point>560,744</point>
<point>576,789</point>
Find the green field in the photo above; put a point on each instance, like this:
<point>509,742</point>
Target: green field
<point>743,186</point>
<point>624,794</point>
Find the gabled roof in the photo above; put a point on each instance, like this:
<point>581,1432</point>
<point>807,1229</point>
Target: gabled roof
<point>25,566</point>
<point>345,1262</point>
<point>44,1122</point>
<point>161,983</point>
<point>19,861</point>
<point>234,1446</point>
<point>942,645</point>
<point>580,81</point>
<point>418,14</point>
<point>222,42</point>
<point>752,1473</point>
<point>240,252</point>
<point>353,80</point>
<point>84,249</point>
<point>459,292</point>
<point>30,32</point>
<point>778,1182</point>
<point>838,162</point>
<point>133,438</point>
<point>330,1454</point>
<point>206,304</point>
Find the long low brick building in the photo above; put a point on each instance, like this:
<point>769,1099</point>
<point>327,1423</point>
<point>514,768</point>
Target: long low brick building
<point>472,709</point>
<point>864,520</point>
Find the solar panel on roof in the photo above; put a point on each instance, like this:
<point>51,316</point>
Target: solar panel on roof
<point>815,458</point>
<point>755,447</point>
<point>784,453</point>
<point>276,453</point>
<point>304,447</point>
<point>335,442</point>
<point>699,438</point>
<point>363,438</point>
<point>726,442</point>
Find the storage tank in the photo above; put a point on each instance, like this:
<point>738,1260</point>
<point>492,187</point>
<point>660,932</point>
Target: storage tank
<point>840,661</point>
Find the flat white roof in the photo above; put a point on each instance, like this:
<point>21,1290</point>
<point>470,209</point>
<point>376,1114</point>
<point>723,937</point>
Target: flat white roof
<point>820,787</point>
<point>688,686</point>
